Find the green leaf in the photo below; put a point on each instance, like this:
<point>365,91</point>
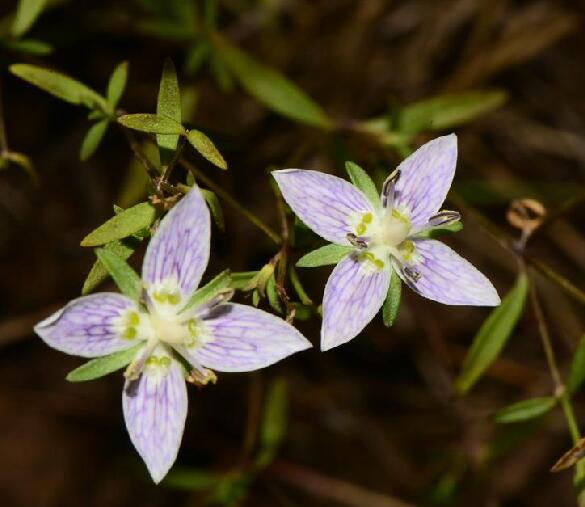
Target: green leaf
<point>392,302</point>
<point>59,85</point>
<point>274,421</point>
<point>270,87</point>
<point>242,279</point>
<point>447,111</point>
<point>101,366</point>
<point>151,123</point>
<point>214,206</point>
<point>525,410</point>
<point>169,106</point>
<point>196,57</point>
<point>437,232</point>
<point>272,294</point>
<point>209,291</point>
<point>577,369</point>
<point>362,180</point>
<point>324,256</point>
<point>98,272</point>
<point>493,336</point>
<point>21,161</point>
<point>92,139</point>
<point>30,46</point>
<point>205,146</point>
<point>192,479</point>
<point>27,13</point>
<point>117,84</point>
<point>125,277</point>
<point>298,287</point>
<point>125,224</point>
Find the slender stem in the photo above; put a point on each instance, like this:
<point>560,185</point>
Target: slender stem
<point>546,341</point>
<point>555,277</point>
<point>271,233</point>
<point>152,171</point>
<point>560,391</point>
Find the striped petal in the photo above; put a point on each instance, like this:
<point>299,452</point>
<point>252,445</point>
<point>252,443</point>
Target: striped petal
<point>353,295</point>
<point>91,326</point>
<point>155,409</point>
<point>329,205</point>
<point>241,338</point>
<point>178,253</point>
<point>448,278</point>
<point>425,179</point>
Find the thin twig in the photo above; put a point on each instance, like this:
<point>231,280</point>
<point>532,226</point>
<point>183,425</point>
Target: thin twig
<point>271,233</point>
<point>336,490</point>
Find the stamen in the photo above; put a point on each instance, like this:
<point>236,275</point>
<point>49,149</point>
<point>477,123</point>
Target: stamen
<point>388,189</point>
<point>135,368</point>
<point>412,276</point>
<point>443,218</point>
<point>223,296</point>
<point>201,376</point>
<point>357,242</point>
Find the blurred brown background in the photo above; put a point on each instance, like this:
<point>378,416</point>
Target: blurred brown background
<point>369,422</point>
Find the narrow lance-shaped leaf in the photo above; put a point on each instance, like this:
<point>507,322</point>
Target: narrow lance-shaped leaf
<point>493,335</point>
<point>192,479</point>
<point>27,13</point>
<point>151,123</point>
<point>525,410</point>
<point>61,86</point>
<point>205,146</point>
<point>125,224</point>
<point>117,84</point>
<point>274,420</point>
<point>210,290</point>
<point>214,206</point>
<point>30,46</point>
<point>242,279</point>
<point>392,301</point>
<point>92,139</point>
<point>168,105</point>
<point>362,180</point>
<point>272,294</point>
<point>270,87</point>
<point>102,366</point>
<point>98,272</point>
<point>324,256</point>
<point>447,111</point>
<point>125,277</point>
<point>577,370</point>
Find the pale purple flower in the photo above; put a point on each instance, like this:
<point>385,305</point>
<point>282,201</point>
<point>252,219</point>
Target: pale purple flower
<point>216,335</point>
<point>386,236</point>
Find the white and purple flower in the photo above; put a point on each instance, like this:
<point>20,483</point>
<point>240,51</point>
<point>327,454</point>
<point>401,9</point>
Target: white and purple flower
<point>215,335</point>
<point>386,236</point>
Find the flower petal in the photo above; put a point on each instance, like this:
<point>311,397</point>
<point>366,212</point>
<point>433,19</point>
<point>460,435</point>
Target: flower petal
<point>90,326</point>
<point>327,204</point>
<point>242,338</point>
<point>178,253</point>
<point>155,409</point>
<point>353,295</point>
<point>448,278</point>
<point>425,179</point>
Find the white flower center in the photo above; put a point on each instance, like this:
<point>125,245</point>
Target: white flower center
<point>389,230</point>
<point>386,235</point>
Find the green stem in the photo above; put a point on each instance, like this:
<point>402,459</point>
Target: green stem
<point>271,233</point>
<point>561,392</point>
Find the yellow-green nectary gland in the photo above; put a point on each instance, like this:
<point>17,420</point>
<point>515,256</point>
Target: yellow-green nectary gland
<point>164,296</point>
<point>132,321</point>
